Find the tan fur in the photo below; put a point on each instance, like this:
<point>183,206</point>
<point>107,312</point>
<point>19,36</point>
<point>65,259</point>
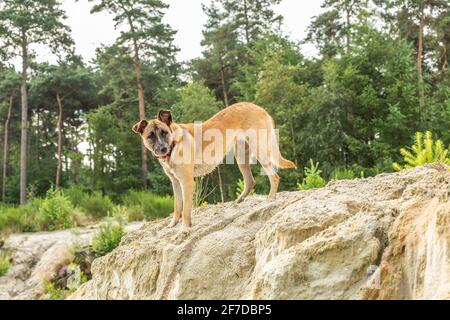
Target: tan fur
<point>241,116</point>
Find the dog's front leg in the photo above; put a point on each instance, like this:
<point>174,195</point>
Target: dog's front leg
<point>186,178</point>
<point>178,201</point>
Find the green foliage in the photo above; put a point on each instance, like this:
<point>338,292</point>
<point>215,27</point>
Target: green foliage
<point>76,195</point>
<point>313,179</point>
<point>240,188</point>
<point>75,278</point>
<point>121,214</point>
<point>96,205</point>
<point>5,264</point>
<point>12,219</point>
<point>197,103</point>
<point>202,191</point>
<point>353,106</point>
<point>151,205</point>
<point>424,150</point>
<point>51,292</point>
<point>343,174</point>
<point>55,212</point>
<point>251,18</point>
<point>135,213</point>
<point>42,22</point>
<point>107,238</point>
<point>140,21</point>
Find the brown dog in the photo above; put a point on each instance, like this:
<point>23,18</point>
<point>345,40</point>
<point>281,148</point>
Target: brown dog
<point>186,151</point>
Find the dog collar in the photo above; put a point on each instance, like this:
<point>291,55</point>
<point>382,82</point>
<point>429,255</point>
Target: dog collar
<point>168,154</point>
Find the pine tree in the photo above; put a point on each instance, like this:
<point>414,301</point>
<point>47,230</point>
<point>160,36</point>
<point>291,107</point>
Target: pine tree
<point>70,87</point>
<point>9,87</point>
<point>252,18</point>
<point>220,40</point>
<point>147,35</point>
<point>409,19</point>
<point>22,23</point>
<point>335,26</point>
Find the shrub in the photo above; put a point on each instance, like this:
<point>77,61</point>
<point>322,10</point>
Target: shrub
<point>163,207</point>
<point>55,212</point>
<point>201,191</point>
<point>343,174</point>
<point>107,238</point>
<point>81,218</point>
<point>313,178</point>
<point>70,278</point>
<point>424,150</point>
<point>11,219</point>
<point>96,205</point>
<point>75,194</point>
<point>18,219</point>
<point>151,205</point>
<point>51,292</point>
<point>77,277</point>
<point>135,213</point>
<point>4,264</point>
<point>121,214</point>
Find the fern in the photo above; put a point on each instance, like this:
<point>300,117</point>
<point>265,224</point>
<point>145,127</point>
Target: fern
<point>313,178</point>
<point>424,150</point>
<point>240,188</point>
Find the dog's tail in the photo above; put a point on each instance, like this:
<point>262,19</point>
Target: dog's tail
<point>275,154</point>
<point>285,164</point>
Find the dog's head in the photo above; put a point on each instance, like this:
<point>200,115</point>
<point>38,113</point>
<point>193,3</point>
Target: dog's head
<point>157,134</point>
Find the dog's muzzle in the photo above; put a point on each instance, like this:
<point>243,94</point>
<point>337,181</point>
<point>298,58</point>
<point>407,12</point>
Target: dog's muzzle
<point>168,153</point>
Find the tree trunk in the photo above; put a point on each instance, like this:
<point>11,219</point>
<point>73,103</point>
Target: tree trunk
<point>222,197</point>
<point>24,125</point>
<point>6,146</point>
<point>137,67</point>
<point>347,33</point>
<point>224,88</point>
<point>294,149</point>
<point>59,146</point>
<point>419,68</point>
<point>445,59</point>
<point>247,23</point>
<point>225,100</point>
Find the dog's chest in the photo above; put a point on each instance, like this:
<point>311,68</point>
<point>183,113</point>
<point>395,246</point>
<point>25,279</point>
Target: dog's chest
<point>203,169</point>
<point>199,169</point>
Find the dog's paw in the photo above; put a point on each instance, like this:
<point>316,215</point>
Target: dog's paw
<point>185,229</point>
<point>173,223</point>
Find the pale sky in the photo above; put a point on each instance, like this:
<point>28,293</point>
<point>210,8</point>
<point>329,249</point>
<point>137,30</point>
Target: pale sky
<point>185,16</point>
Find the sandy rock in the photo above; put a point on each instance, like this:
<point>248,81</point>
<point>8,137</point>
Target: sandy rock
<point>37,257</point>
<point>385,237</point>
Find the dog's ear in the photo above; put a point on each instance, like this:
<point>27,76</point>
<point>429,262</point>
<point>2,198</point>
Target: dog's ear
<point>165,116</point>
<point>140,126</point>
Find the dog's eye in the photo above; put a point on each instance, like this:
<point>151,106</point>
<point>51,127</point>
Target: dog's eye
<point>151,135</point>
<point>164,133</point>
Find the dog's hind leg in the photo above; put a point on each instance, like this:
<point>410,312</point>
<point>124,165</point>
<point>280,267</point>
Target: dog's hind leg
<point>273,178</point>
<point>269,169</point>
<point>243,161</point>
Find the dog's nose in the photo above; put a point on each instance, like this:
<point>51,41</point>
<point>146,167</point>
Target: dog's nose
<point>164,150</point>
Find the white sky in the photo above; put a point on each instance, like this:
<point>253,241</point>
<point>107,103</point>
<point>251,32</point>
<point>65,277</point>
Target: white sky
<point>185,16</point>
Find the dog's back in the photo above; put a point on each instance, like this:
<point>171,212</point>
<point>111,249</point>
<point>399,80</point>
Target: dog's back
<point>240,122</point>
